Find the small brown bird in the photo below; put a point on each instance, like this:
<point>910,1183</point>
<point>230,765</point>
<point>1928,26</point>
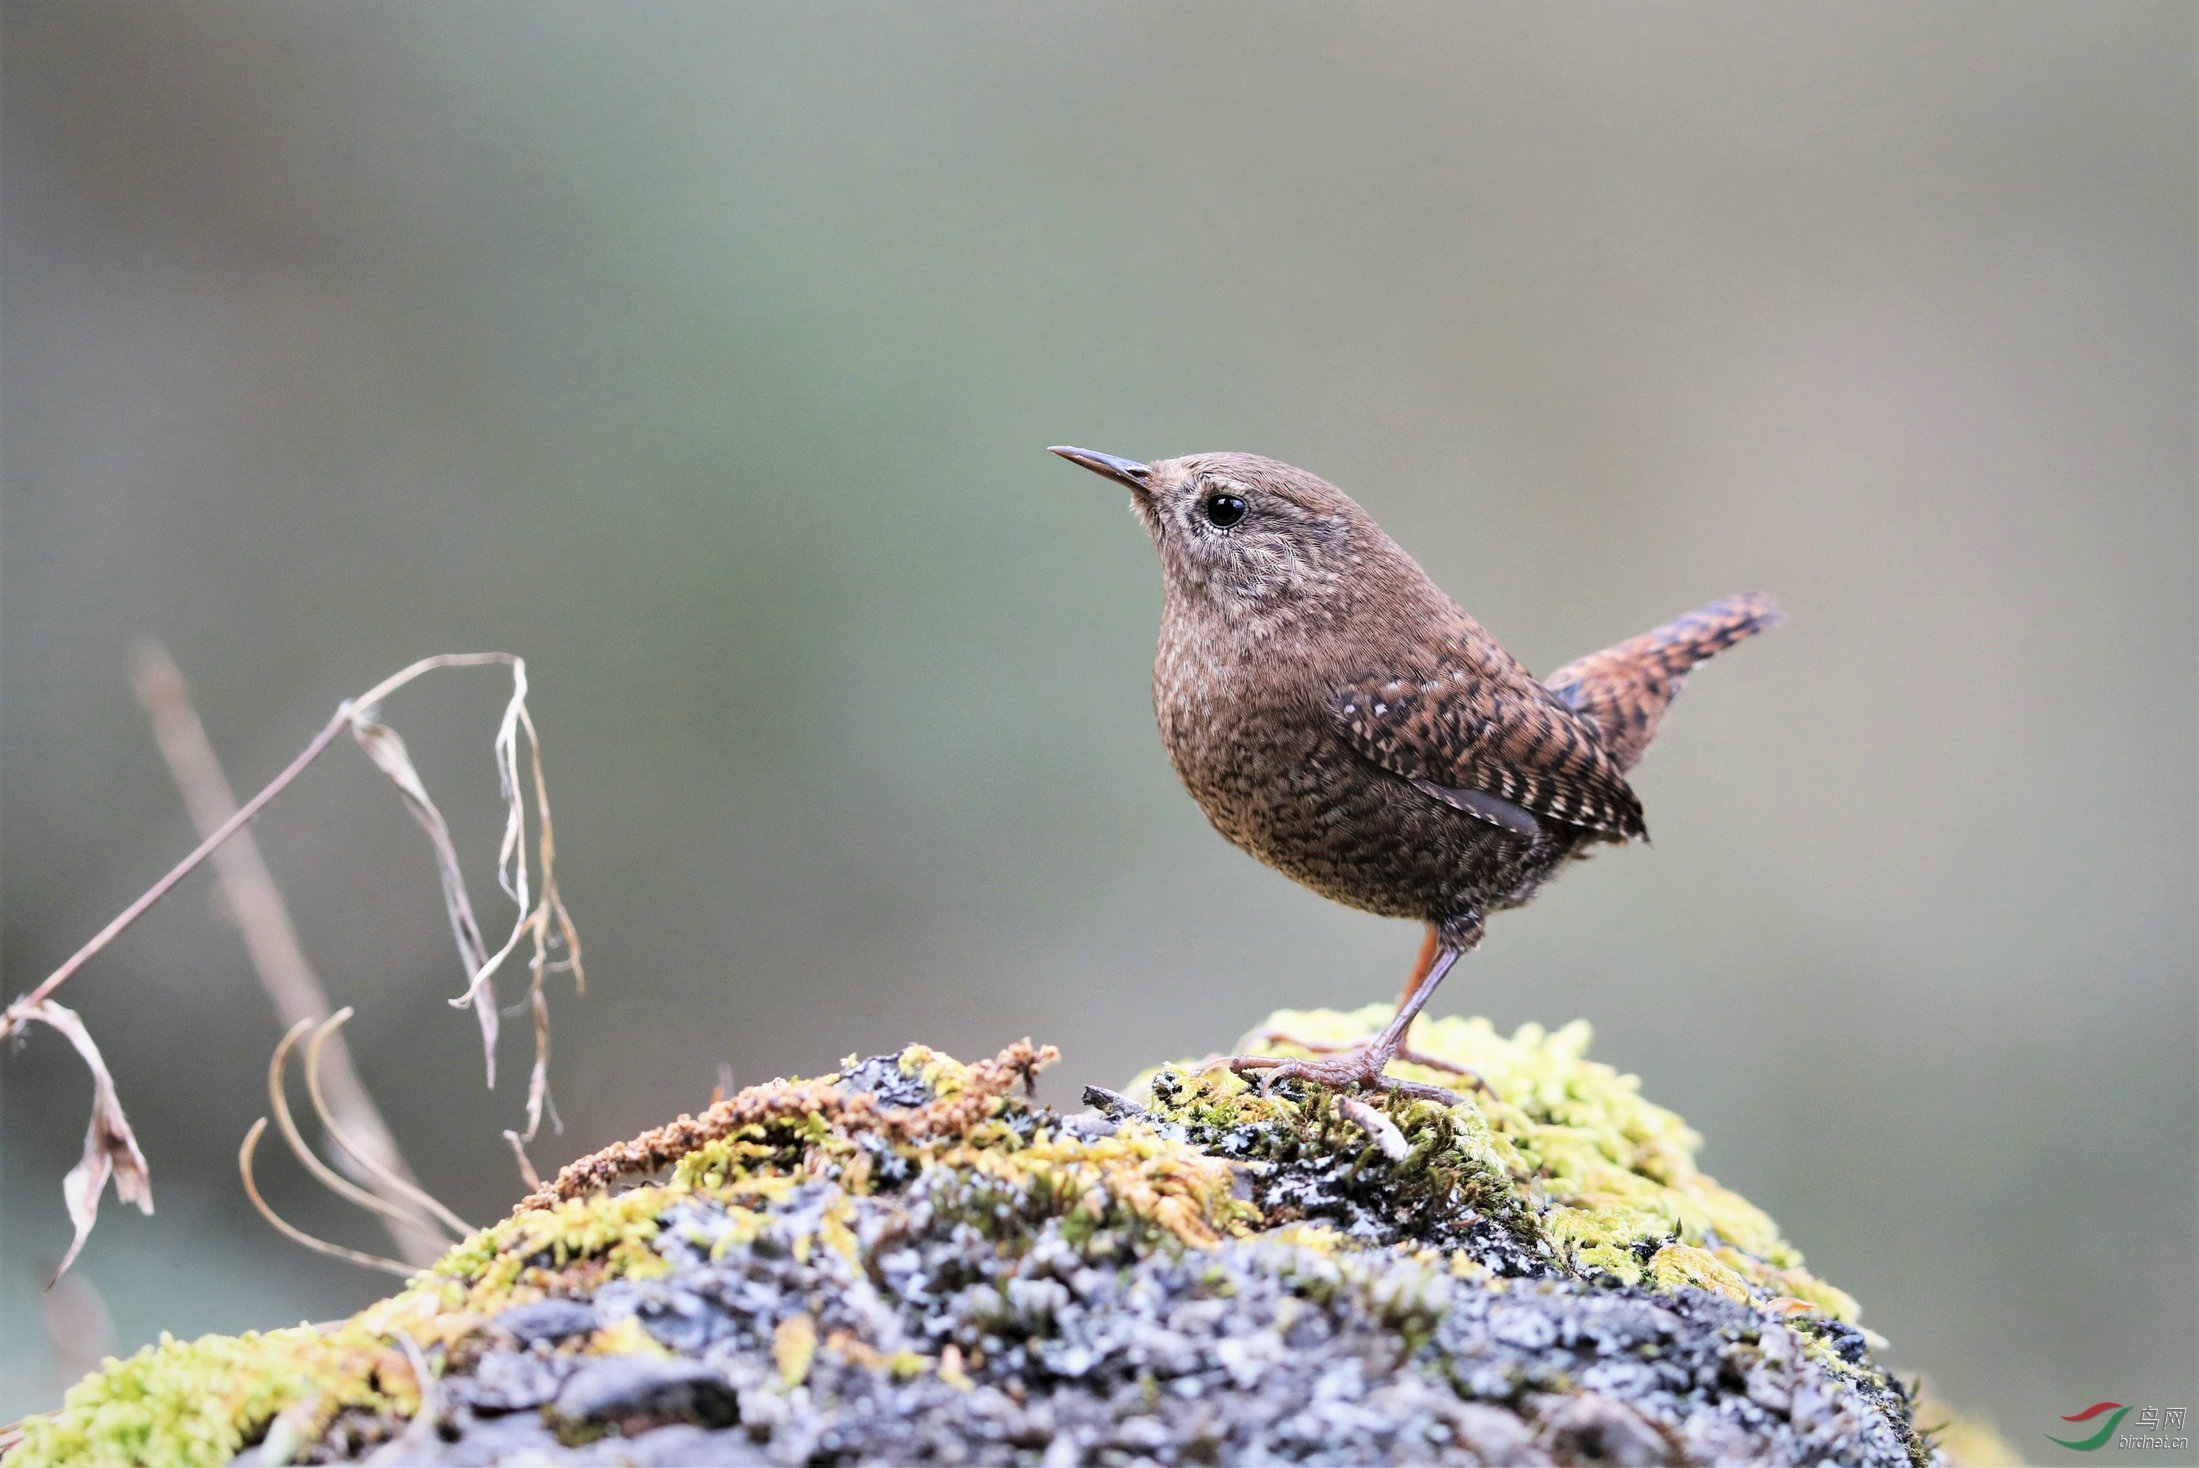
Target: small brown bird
<point>1339,717</point>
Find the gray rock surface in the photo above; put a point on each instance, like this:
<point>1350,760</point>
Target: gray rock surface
<point>1024,1339</point>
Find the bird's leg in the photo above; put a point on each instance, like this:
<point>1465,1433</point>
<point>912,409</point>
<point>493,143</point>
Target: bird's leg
<point>1362,1065</point>
<point>1404,1052</point>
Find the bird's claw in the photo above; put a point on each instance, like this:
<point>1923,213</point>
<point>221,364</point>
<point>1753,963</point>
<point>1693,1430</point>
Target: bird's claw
<point>1403,1052</point>
<point>1359,1067</point>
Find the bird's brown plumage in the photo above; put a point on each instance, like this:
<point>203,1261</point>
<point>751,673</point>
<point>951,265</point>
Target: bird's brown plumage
<point>1339,717</point>
<point>1455,712</point>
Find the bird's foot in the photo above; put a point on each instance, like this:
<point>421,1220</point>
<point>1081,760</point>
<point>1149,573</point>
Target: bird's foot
<point>1360,1065</point>
<point>1403,1052</point>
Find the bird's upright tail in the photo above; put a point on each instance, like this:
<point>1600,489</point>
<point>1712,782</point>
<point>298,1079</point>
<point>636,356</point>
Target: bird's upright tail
<point>1627,688</point>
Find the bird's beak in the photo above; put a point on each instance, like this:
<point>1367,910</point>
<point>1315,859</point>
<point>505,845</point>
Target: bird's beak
<point>1123,471</point>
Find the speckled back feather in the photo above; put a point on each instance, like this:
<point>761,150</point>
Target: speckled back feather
<point>1458,714</point>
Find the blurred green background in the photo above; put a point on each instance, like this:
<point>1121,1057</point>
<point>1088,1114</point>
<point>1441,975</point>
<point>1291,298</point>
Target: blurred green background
<point>707,355</point>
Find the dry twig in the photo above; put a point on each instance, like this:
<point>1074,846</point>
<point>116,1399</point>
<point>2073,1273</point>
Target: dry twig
<point>412,1192</point>
<point>410,1204</point>
<point>527,1174</point>
<point>299,1235</point>
<point>406,1446</point>
<point>403,1201</point>
<point>257,905</point>
<point>1379,1128</point>
<point>111,1150</point>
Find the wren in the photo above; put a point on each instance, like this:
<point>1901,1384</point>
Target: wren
<point>1337,716</point>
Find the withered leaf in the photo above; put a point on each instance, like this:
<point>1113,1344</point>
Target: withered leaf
<point>110,1148</point>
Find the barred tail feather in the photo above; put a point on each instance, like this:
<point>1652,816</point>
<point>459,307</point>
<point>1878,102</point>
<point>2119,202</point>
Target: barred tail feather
<point>1626,689</point>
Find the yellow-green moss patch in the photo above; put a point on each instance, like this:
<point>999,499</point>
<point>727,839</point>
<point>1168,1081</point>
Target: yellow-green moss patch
<point>1609,1178</point>
<point>183,1404</point>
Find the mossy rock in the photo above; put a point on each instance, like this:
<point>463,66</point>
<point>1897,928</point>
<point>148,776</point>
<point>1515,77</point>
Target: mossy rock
<point>908,1260</point>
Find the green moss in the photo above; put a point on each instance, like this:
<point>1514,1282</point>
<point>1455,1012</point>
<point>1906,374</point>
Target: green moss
<point>534,1253</point>
<point>943,1073</point>
<point>185,1404</point>
<point>724,1160</point>
<point>1302,1151</point>
<point>1608,1178</point>
<point>1136,1178</point>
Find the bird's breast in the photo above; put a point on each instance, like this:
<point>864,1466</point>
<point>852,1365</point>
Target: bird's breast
<point>1242,739</point>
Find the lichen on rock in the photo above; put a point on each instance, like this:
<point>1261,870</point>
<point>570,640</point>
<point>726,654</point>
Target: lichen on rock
<point>907,1260</point>
<point>1608,1177</point>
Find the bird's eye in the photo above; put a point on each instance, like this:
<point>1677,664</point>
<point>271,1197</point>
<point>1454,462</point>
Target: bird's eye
<point>1224,510</point>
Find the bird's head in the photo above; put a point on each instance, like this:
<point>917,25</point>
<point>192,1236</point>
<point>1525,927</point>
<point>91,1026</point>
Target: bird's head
<point>1242,532</point>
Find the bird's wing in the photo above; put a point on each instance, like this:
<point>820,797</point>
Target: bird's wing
<point>1485,737</point>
